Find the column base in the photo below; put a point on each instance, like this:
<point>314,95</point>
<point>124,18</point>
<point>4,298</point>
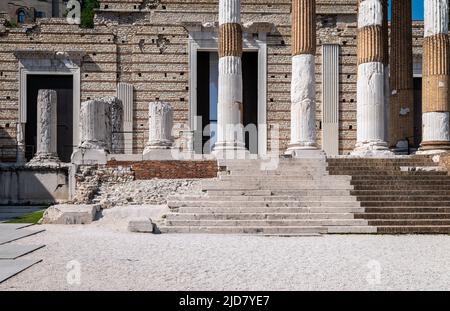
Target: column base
<point>372,149</point>
<point>44,159</point>
<point>302,151</point>
<point>159,154</point>
<point>227,150</point>
<point>433,147</point>
<point>401,148</point>
<point>89,156</point>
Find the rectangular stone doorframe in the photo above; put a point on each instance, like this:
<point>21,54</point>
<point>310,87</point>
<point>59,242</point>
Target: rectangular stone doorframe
<point>46,62</point>
<point>203,37</point>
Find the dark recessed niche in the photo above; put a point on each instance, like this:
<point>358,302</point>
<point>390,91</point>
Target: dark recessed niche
<point>344,42</point>
<point>86,75</point>
<point>350,127</point>
<point>271,100</point>
<point>165,74</point>
<point>7,125</point>
<point>349,76</point>
<point>282,42</point>
<point>163,7</point>
<point>182,99</point>
<point>1,73</point>
<point>139,74</point>
<point>88,98</point>
<point>187,88</point>
<point>343,100</point>
<point>106,6</point>
<point>181,73</point>
<point>352,100</point>
<point>94,54</point>
<point>8,97</point>
<point>156,98</point>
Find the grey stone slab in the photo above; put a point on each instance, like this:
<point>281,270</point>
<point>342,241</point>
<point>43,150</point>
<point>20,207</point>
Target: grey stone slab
<point>13,251</point>
<point>9,268</point>
<point>10,236</point>
<point>14,226</point>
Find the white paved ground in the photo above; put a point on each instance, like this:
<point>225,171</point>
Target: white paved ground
<point>112,259</point>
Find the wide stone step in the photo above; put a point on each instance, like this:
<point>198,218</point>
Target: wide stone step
<point>413,229</point>
<point>374,173</point>
<point>294,192</point>
<point>407,209</point>
<point>256,216</point>
<point>267,223</point>
<point>287,173</point>
<point>401,186</point>
<point>306,185</point>
<point>405,203</point>
<point>410,197</point>
<point>297,198</point>
<point>176,204</point>
<point>409,222</point>
<point>287,179</point>
<point>266,210</point>
<point>279,161</point>
<point>381,163</point>
<point>351,229</point>
<point>400,178</point>
<point>400,192</point>
<point>243,230</point>
<point>402,182</point>
<point>402,215</point>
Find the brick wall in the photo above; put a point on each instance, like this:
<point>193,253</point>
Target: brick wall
<point>169,169</point>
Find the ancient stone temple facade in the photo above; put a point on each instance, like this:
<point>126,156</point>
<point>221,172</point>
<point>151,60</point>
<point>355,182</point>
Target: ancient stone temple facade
<point>313,74</point>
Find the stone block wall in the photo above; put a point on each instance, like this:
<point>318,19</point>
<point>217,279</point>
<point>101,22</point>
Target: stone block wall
<point>143,42</point>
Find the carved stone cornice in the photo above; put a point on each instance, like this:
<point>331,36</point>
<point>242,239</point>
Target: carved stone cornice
<point>248,27</point>
<point>74,55</point>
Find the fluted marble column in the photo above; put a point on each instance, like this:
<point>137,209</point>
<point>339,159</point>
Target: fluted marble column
<point>435,78</point>
<point>95,125</point>
<point>371,83</point>
<point>160,125</point>
<point>401,122</point>
<point>46,150</point>
<point>303,83</point>
<point>229,127</point>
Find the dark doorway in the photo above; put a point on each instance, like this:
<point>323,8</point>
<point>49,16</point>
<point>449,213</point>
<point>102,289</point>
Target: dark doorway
<point>417,112</point>
<point>250,96</point>
<point>63,85</point>
<point>207,96</point>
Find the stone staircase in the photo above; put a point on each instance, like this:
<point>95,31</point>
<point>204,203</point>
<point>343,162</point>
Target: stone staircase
<point>299,197</point>
<point>399,195</point>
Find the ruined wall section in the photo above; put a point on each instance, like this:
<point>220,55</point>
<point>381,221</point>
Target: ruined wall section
<point>98,71</point>
<point>147,46</point>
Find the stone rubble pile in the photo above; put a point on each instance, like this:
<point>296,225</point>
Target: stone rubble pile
<point>154,191</point>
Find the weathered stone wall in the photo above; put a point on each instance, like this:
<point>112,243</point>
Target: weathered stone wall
<point>145,182</point>
<point>148,48</point>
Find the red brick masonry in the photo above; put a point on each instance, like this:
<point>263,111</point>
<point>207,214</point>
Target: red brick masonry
<point>169,169</point>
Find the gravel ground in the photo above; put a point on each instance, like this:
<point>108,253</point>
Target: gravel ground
<point>109,258</point>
